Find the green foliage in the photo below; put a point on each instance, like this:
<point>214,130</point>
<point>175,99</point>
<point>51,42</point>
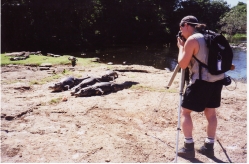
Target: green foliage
<point>239,36</point>
<point>80,25</point>
<point>235,21</point>
<point>235,39</point>
<point>206,11</point>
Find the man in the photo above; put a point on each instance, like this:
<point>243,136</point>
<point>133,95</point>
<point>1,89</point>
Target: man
<point>204,91</point>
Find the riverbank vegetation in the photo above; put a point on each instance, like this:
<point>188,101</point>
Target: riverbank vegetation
<point>39,59</point>
<point>90,25</point>
<point>237,38</point>
<point>235,21</point>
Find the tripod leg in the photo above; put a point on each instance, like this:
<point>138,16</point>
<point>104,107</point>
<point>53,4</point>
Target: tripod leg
<point>179,109</point>
<point>173,76</point>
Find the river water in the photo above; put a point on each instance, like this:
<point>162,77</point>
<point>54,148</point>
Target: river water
<point>160,57</point>
<point>240,62</point>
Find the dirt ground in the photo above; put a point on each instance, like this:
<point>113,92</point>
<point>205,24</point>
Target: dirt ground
<point>138,124</point>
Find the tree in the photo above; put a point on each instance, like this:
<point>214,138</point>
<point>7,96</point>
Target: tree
<point>74,25</point>
<point>77,25</point>
<point>234,21</point>
<point>207,11</point>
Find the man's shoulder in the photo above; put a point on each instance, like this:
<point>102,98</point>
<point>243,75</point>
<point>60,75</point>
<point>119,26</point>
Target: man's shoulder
<point>198,35</point>
<point>195,37</point>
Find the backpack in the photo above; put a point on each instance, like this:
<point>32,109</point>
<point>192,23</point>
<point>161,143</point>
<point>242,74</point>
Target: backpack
<point>220,54</point>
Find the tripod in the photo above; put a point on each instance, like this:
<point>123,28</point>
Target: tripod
<point>180,100</point>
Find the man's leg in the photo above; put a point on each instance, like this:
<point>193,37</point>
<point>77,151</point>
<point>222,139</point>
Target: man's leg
<point>187,126</point>
<point>208,147</point>
<point>186,122</point>
<point>210,114</point>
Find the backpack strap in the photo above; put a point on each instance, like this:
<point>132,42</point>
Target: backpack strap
<point>200,66</point>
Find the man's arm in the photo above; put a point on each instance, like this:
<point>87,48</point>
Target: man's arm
<point>186,50</point>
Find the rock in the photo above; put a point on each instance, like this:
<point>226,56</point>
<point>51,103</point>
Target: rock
<point>64,98</point>
<point>21,86</point>
<point>167,70</point>
<point>95,59</point>
<point>15,53</point>
<point>46,65</point>
<point>9,118</point>
<point>107,160</point>
<point>31,65</point>
<point>44,68</point>
<point>3,115</point>
<point>53,55</point>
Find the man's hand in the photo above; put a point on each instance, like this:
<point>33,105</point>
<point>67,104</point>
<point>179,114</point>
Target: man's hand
<point>180,43</point>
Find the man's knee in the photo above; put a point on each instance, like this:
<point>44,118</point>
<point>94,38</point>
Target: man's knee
<point>185,111</point>
<point>210,113</point>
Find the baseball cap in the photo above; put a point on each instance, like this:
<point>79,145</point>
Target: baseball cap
<point>189,19</point>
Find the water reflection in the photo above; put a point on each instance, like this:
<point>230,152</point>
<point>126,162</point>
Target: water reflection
<point>160,57</point>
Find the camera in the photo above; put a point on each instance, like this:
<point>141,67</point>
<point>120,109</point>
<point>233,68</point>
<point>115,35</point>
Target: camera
<point>226,81</point>
<point>180,36</point>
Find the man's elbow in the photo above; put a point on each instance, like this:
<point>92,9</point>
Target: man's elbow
<point>182,65</point>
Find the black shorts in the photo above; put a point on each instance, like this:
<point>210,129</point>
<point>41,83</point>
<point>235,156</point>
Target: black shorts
<point>201,95</point>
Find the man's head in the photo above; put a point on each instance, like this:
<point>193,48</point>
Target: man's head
<point>188,26</point>
<point>192,20</point>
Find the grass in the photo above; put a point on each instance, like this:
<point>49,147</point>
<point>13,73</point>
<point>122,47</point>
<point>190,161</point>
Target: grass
<point>237,38</point>
<point>53,77</point>
<point>46,79</point>
<point>9,81</point>
<point>39,59</point>
<point>55,101</point>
